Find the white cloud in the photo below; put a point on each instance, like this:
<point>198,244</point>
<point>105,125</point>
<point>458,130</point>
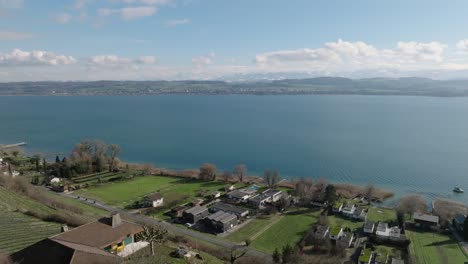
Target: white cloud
<point>129,13</point>
<point>11,3</point>
<point>176,22</point>
<point>463,45</point>
<point>202,61</point>
<point>114,60</point>
<point>81,4</point>
<point>37,57</point>
<point>63,18</point>
<point>352,56</point>
<point>146,2</point>
<point>10,35</point>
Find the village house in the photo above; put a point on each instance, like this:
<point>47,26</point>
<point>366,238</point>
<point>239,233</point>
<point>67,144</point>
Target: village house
<point>102,241</point>
<point>195,214</point>
<point>268,196</point>
<point>369,227</point>
<point>153,200</point>
<point>220,221</point>
<point>425,220</point>
<point>229,208</point>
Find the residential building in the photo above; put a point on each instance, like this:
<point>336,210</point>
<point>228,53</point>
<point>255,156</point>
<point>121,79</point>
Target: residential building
<point>179,210</point>
<point>345,240</point>
<point>321,231</point>
<point>348,209</point>
<point>337,208</point>
<point>382,230</point>
<point>268,196</point>
<point>220,221</point>
<point>154,200</point>
<point>425,220</point>
<point>336,233</point>
<point>102,241</point>
<point>195,214</point>
<point>319,203</point>
<point>360,213</point>
<point>242,195</point>
<point>366,256</point>
<point>229,208</point>
<point>369,227</point>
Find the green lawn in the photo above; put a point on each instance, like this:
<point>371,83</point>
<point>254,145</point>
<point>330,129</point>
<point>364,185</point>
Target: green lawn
<point>289,230</point>
<point>251,229</point>
<point>123,193</point>
<point>339,221</point>
<point>381,215</point>
<point>434,248</point>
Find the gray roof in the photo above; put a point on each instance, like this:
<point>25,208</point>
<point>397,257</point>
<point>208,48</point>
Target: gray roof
<point>265,195</point>
<point>229,208</point>
<point>369,225</point>
<point>382,227</point>
<point>239,194</point>
<point>321,230</point>
<point>196,210</point>
<point>426,217</point>
<point>222,217</point>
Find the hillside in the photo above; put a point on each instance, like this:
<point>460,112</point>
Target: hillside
<point>319,85</point>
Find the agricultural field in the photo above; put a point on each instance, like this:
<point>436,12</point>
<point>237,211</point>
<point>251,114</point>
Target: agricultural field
<point>289,230</point>
<point>126,192</point>
<point>434,248</point>
<point>19,230</point>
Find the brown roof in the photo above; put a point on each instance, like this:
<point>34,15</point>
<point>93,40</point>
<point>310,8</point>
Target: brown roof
<point>100,233</point>
<point>154,196</point>
<point>51,251</point>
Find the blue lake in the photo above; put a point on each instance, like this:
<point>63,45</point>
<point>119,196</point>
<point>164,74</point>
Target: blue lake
<point>407,144</point>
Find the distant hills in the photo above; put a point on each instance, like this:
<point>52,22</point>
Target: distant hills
<point>320,85</point>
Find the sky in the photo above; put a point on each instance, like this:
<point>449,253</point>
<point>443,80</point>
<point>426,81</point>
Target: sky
<point>225,39</point>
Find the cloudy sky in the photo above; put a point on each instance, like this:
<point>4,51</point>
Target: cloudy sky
<point>209,39</point>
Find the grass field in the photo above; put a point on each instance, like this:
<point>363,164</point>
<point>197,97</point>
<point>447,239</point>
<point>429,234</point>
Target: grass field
<point>123,193</point>
<point>251,229</point>
<point>381,214</point>
<point>433,248</point>
<point>339,221</point>
<point>289,230</point>
<point>71,201</point>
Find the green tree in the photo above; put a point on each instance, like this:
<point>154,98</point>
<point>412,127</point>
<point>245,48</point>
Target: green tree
<point>465,229</point>
<point>276,256</point>
<point>287,253</point>
<point>152,235</point>
<point>330,194</point>
<point>57,159</point>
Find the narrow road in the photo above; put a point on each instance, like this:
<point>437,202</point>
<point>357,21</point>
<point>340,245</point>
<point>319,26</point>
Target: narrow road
<point>172,228</point>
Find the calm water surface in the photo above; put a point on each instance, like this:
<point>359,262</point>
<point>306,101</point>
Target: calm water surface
<point>408,144</point>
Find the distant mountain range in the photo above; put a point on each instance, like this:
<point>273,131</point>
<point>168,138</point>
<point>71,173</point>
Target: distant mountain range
<point>319,85</point>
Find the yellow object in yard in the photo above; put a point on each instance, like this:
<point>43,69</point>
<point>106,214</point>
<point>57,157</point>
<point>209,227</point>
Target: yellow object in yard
<point>120,246</point>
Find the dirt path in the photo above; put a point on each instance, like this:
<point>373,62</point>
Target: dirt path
<point>265,229</point>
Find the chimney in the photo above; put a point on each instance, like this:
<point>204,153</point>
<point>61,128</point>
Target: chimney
<point>64,228</point>
<point>116,220</point>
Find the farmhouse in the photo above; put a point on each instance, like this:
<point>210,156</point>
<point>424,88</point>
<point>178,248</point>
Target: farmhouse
<point>425,220</point>
<point>154,200</point>
<point>458,222</point>
<point>195,214</point>
<point>220,221</point>
<point>102,241</point>
<point>268,196</point>
<point>228,208</point>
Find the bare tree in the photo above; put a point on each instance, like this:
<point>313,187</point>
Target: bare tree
<point>240,171</point>
<point>152,235</point>
<point>147,168</point>
<point>271,178</point>
<point>113,150</point>
<point>411,204</point>
<point>226,176</point>
<point>304,188</point>
<point>236,254</point>
<point>369,192</point>
<point>208,172</point>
